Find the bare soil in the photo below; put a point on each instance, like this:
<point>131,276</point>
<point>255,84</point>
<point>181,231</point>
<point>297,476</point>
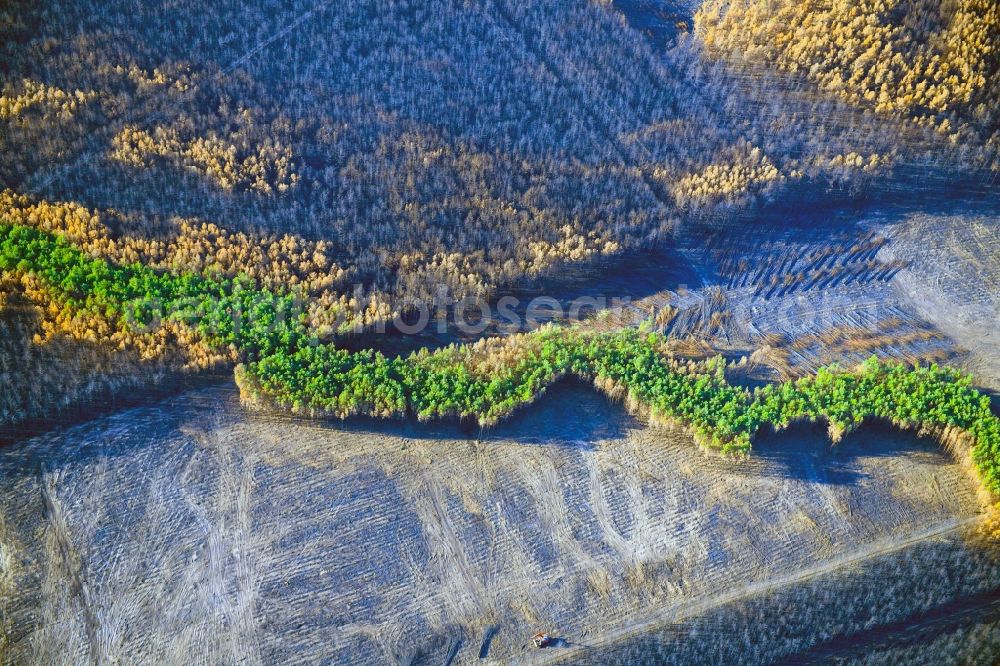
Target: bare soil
<point>192,527</point>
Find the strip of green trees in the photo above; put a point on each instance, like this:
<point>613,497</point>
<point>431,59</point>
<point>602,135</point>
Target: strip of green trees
<point>282,363</point>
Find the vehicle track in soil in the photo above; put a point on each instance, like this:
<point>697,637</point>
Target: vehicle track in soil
<point>675,613</point>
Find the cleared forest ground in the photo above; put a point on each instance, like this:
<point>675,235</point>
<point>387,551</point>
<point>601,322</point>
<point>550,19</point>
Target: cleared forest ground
<point>146,535</point>
<point>809,287</point>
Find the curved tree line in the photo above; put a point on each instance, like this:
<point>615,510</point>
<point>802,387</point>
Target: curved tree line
<point>282,364</point>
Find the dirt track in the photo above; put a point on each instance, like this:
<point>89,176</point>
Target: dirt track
<point>672,614</point>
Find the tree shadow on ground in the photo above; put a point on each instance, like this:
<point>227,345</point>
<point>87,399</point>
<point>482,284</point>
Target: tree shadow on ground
<point>805,452</point>
<point>568,413</point>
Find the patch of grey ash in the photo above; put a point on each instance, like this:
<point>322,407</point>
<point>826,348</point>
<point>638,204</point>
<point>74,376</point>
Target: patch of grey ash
<point>194,528</point>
